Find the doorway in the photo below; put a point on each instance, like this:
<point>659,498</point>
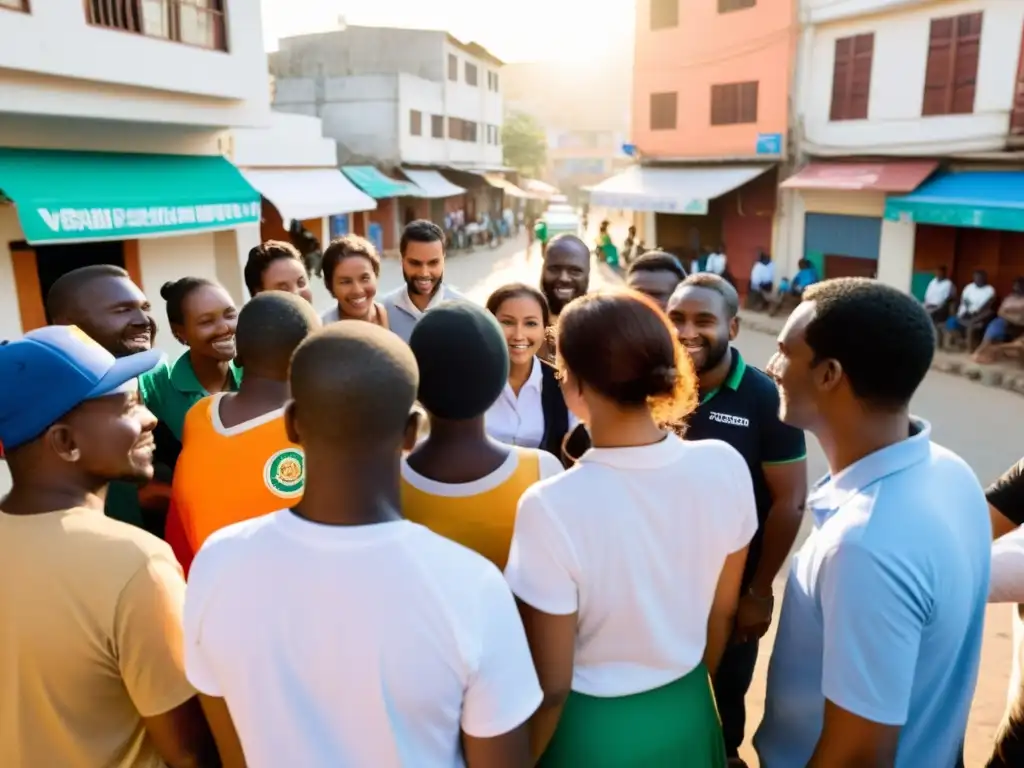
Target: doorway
<point>54,261</point>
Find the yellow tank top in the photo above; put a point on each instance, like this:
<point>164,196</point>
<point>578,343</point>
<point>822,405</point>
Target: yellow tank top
<point>481,521</point>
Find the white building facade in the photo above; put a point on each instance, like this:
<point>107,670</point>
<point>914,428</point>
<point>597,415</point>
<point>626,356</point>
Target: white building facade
<point>126,109</point>
<point>906,116</point>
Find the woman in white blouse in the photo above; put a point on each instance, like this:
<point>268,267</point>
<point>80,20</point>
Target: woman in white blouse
<point>531,411</point>
<point>628,567</point>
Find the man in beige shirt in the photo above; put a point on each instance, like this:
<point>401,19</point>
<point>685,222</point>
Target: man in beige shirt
<point>91,669</point>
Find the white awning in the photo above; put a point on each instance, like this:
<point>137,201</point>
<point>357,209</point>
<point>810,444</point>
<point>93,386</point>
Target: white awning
<point>308,193</point>
<point>671,190</point>
<point>433,184</point>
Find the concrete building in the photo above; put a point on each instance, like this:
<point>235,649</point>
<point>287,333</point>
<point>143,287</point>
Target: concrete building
<point>397,97</point>
<point>711,91</point>
<point>114,134</point>
<point>584,108</point>
<point>909,119</point>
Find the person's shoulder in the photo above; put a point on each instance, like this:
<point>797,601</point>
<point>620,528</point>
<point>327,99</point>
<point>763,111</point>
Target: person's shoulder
<point>701,455</point>
<point>448,560</point>
<point>228,544</point>
<point>547,464</point>
<point>118,548</point>
<point>155,379</point>
<point>391,298</point>
<point>453,294</point>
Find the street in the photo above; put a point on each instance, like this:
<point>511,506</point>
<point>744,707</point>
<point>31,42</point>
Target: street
<point>962,414</point>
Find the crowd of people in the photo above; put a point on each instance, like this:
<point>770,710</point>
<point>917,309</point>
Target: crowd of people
<point>414,531</point>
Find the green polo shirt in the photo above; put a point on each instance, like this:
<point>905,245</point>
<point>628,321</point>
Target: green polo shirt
<point>170,390</point>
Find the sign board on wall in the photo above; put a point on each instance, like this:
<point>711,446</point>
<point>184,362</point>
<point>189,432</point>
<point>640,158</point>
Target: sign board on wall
<point>769,144</point>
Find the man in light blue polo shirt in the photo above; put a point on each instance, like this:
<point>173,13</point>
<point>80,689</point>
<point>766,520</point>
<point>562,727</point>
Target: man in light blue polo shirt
<point>877,651</point>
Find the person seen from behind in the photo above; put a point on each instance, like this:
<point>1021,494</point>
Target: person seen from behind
<point>877,650</point>
<point>277,266</point>
<point>90,608</point>
<point>656,274</point>
<point>236,461</point>
<point>337,633</point>
<point>531,411</point>
<point>460,482</point>
<point>626,680</point>
<point>739,405</point>
<point>351,268</point>
<point>423,255</point>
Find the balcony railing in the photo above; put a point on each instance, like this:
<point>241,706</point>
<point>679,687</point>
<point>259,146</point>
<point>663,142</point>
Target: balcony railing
<point>201,23</point>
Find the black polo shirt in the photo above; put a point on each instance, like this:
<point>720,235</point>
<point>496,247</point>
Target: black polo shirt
<point>744,412</point>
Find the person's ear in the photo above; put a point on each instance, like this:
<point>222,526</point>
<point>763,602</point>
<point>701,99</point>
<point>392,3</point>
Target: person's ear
<point>290,427</point>
<point>734,328</point>
<point>61,440</point>
<point>178,332</point>
<point>412,429</point>
<point>829,374</point>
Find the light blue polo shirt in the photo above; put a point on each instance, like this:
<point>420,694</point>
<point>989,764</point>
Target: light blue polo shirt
<point>884,607</point>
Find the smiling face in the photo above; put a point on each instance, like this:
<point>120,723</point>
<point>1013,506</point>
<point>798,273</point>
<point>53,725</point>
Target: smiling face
<point>566,274</point>
<point>522,320</point>
<point>288,275</point>
<point>114,313</point>
<point>354,285</point>
<point>423,267</point>
<point>210,320</point>
<point>108,438</point>
<point>702,324</point>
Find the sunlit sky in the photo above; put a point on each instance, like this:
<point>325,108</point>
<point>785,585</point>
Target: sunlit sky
<point>514,30</point>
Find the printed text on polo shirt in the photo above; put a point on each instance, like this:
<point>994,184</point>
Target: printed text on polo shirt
<point>725,418</point>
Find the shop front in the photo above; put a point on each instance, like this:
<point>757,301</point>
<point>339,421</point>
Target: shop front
<point>438,196</point>
<point>160,217</point>
<point>965,221</point>
<point>688,208</point>
<point>835,218</point>
<point>382,226</point>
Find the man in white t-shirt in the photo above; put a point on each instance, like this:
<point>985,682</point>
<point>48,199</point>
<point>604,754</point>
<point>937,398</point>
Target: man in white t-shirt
<point>338,634</point>
<point>977,307</point>
<point>717,262</point>
<point>938,295</point>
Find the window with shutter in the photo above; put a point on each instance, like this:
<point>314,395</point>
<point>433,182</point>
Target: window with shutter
<point>1017,117</point>
<point>734,103</point>
<point>851,77</point>
<point>664,14</point>
<point>663,111</point>
<point>725,6</point>
<point>951,73</point>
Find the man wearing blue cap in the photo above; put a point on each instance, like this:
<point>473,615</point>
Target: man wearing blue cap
<point>91,669</point>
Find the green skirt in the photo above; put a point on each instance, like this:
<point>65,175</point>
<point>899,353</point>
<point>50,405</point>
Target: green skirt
<point>674,725</point>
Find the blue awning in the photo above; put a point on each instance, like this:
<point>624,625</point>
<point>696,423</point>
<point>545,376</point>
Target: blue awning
<point>978,199</point>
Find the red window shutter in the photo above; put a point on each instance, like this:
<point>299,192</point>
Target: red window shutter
<point>938,71</point>
<point>841,78</point>
<point>965,64</point>
<point>1017,118</point>
<point>747,102</point>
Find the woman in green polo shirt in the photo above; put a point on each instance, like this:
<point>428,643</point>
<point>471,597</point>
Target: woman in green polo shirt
<point>202,316</point>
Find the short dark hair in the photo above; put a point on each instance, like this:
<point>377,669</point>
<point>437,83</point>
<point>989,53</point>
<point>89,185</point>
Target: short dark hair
<point>355,384</point>
<point>719,285</point>
<point>519,291</point>
<point>882,337</point>
<point>346,247</point>
<point>463,360</point>
<point>175,292</point>
<point>620,344</point>
<point>61,296</point>
<point>657,261</point>
<point>420,231</point>
<point>262,256</point>
<point>271,326</point>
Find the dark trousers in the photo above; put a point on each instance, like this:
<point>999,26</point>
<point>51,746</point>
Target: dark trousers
<point>731,684</point>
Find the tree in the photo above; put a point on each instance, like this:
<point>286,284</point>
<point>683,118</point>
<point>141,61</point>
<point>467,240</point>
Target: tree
<point>525,143</point>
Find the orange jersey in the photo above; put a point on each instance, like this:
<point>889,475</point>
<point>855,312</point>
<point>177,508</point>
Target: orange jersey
<point>229,474</point>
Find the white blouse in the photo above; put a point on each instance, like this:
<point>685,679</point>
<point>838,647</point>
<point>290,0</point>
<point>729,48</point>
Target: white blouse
<point>519,420</point>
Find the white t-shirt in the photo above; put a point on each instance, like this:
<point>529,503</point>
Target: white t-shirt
<point>938,292</point>
<point>975,297</point>
<point>368,645</point>
<point>716,263</point>
<point>519,419</point>
<point>762,273</point>
<point>634,540</point>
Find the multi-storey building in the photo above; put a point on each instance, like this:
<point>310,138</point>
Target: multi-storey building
<point>910,120</point>
<point>400,97</point>
<point>584,109</point>
<point>711,90</point>
<point>115,143</point>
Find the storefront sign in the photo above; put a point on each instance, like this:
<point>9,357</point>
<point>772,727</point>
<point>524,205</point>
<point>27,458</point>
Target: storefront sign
<point>769,144</point>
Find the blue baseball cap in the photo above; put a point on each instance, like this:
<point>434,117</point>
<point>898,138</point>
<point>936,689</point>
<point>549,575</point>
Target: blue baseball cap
<point>50,371</point>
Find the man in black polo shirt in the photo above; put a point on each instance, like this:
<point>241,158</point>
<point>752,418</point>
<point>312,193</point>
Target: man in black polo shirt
<point>740,406</point>
<point>1006,506</point>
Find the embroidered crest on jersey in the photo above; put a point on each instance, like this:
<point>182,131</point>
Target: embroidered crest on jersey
<point>284,473</point>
